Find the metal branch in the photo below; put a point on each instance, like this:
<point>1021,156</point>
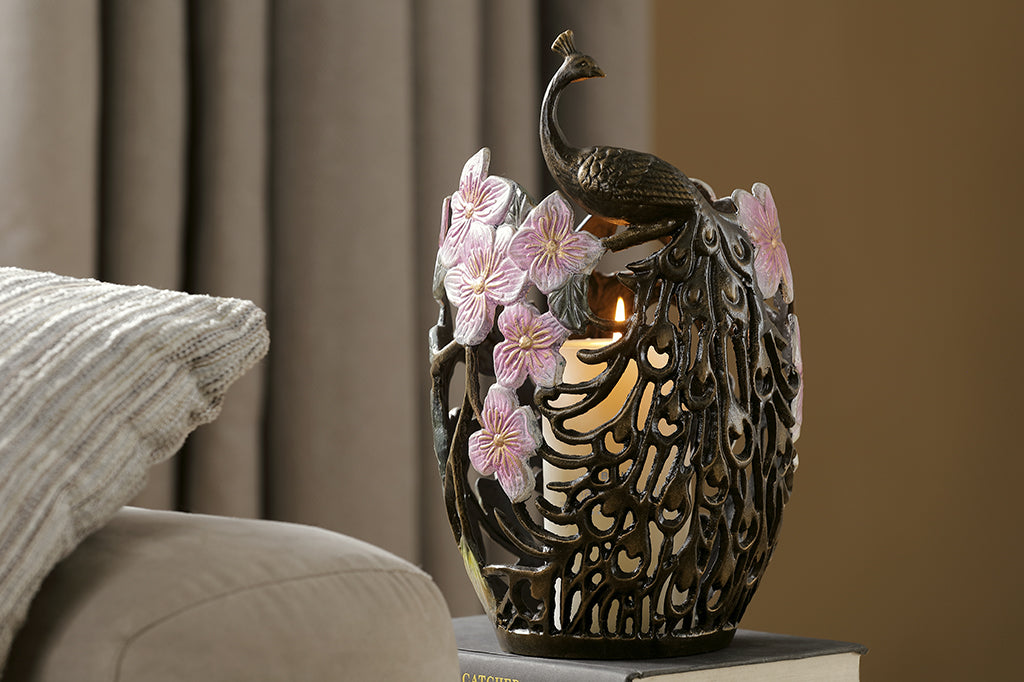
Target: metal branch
<point>638,234</point>
<point>443,356</point>
<point>473,383</point>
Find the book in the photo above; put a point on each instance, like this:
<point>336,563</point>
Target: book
<point>752,655</point>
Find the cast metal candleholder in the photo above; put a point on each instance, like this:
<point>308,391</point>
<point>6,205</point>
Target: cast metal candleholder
<point>613,496</point>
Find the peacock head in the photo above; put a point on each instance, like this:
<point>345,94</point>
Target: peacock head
<point>577,66</point>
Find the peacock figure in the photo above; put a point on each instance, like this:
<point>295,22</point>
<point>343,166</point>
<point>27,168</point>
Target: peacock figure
<point>657,529</point>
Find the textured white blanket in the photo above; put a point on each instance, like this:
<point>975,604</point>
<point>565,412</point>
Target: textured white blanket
<point>98,382</point>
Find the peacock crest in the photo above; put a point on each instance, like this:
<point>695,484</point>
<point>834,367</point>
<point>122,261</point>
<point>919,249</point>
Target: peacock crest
<point>564,44</point>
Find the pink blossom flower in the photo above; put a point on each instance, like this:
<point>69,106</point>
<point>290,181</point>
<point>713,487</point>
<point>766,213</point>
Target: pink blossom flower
<point>506,441</point>
<point>549,249</point>
<point>758,216</point>
<point>480,199</point>
<point>483,277</point>
<point>798,362</point>
<point>530,347</point>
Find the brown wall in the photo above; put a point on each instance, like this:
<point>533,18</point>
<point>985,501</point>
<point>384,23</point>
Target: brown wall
<point>890,133</point>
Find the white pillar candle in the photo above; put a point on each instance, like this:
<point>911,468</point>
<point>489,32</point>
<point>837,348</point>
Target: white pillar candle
<point>576,372</point>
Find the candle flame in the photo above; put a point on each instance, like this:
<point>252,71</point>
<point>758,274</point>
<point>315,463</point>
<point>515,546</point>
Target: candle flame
<point>620,316</point>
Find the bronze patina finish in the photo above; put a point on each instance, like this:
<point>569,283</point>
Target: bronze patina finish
<point>621,185</point>
<point>677,504</point>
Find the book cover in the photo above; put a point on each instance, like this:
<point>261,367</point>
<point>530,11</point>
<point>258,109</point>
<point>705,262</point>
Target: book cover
<point>751,656</point>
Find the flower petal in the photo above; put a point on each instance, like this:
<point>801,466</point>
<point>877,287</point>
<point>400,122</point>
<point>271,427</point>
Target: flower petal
<point>473,320</point>
<point>524,247</point>
<point>548,248</point>
<point>474,171</point>
<point>586,248</point>
<point>516,319</point>
<point>539,358</point>
<point>480,452</point>
<point>548,274</point>
<point>543,367</point>
<point>506,282</point>
<point>764,195</point>
<point>550,324</point>
<point>479,237</point>
<point>451,247</point>
<point>495,194</point>
<point>555,210</point>
<point>525,424</point>
<point>509,366</point>
<point>516,479</point>
<point>768,272</point>
<point>750,211</point>
<point>499,403</point>
<point>457,286</point>
<point>503,236</point>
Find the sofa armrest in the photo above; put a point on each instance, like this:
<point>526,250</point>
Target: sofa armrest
<point>171,596</point>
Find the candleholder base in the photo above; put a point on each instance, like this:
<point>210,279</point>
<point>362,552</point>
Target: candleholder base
<point>597,647</point>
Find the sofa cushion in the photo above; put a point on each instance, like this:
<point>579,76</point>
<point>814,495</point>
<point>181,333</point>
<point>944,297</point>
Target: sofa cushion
<point>97,383</point>
<point>162,596</point>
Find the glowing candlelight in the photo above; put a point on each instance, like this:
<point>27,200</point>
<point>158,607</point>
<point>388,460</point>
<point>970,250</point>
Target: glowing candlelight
<point>620,316</point>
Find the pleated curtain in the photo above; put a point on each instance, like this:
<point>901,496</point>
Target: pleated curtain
<point>295,153</point>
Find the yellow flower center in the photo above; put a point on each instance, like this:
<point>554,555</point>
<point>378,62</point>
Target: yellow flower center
<point>479,286</point>
<point>499,443</point>
<point>526,342</point>
<point>553,249</point>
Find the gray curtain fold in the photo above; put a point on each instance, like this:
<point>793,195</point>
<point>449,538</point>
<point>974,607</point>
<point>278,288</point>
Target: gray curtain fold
<point>295,153</point>
<point>228,234</point>
<point>142,164</point>
<point>341,422</point>
<point>49,71</point>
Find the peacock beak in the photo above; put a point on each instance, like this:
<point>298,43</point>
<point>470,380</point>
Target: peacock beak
<point>598,73</point>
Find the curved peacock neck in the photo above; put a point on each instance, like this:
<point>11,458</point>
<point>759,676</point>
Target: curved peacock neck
<point>553,142</point>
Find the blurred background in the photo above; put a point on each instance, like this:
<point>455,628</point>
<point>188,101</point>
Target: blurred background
<point>890,133</point>
<point>295,152</point>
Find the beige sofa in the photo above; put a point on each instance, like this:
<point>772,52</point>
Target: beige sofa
<point>161,596</point>
<point>99,382</point>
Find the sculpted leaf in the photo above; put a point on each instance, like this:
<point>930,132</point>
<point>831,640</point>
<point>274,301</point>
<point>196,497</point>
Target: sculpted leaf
<point>569,303</point>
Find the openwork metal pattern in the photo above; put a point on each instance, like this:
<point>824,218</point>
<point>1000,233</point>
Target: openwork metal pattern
<point>680,498</point>
<point>646,532</point>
